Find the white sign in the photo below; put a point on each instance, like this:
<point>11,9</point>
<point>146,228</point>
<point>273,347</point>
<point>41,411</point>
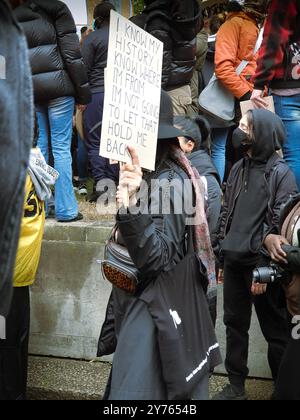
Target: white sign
<point>132,93</point>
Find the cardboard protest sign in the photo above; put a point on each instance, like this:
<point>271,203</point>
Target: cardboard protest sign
<point>132,93</point>
<point>249,105</point>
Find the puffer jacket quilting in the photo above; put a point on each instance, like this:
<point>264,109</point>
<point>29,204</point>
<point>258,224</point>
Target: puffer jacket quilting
<point>54,51</point>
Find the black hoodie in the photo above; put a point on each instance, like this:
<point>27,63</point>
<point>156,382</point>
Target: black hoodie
<point>176,23</point>
<point>245,228</point>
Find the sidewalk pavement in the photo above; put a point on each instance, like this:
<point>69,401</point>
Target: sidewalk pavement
<point>63,379</point>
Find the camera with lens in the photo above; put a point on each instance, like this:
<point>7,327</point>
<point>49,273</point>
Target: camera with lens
<point>271,274</point>
<point>279,272</point>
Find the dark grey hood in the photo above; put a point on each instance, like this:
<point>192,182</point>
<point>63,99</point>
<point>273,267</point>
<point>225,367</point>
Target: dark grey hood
<point>269,133</point>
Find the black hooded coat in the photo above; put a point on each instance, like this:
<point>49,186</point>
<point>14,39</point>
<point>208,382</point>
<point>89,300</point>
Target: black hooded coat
<point>257,188</point>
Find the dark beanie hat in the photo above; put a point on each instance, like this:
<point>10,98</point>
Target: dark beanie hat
<point>102,10</point>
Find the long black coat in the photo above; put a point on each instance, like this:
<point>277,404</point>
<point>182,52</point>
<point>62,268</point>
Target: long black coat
<point>54,51</point>
<point>156,243</point>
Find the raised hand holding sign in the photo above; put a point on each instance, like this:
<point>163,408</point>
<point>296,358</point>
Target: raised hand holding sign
<point>131,176</point>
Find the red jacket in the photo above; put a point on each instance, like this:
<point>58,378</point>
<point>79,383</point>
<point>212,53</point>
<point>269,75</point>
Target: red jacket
<point>278,64</point>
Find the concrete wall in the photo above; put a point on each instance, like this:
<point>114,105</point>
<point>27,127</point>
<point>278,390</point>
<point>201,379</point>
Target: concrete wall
<point>69,298</point>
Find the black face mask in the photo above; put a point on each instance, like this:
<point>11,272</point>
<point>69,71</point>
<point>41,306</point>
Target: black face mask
<point>240,138</point>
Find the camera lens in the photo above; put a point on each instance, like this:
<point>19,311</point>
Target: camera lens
<point>264,275</point>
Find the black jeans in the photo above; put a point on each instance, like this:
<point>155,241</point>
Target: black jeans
<point>100,166</point>
<point>14,350</point>
<point>271,314</point>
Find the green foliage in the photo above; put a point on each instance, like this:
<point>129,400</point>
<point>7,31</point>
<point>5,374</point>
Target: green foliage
<point>138,6</point>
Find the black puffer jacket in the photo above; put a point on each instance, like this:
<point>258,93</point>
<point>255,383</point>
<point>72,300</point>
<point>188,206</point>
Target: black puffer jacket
<point>176,23</point>
<point>94,52</point>
<point>54,51</point>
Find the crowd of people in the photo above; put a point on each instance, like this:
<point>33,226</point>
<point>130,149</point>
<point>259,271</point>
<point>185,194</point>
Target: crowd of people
<point>232,180</point>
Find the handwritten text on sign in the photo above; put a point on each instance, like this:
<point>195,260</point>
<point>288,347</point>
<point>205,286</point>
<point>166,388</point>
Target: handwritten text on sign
<point>132,93</point>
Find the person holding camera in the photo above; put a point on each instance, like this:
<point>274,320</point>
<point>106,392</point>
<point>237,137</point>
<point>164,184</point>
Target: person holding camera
<point>284,250</point>
<point>257,187</point>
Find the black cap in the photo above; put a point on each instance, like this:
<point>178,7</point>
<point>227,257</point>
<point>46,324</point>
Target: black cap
<point>103,10</point>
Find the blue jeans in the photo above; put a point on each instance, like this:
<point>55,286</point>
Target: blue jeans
<point>218,149</point>
<point>55,125</point>
<point>288,109</point>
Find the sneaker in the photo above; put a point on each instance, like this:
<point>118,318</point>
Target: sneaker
<point>75,219</point>
<point>82,189</point>
<point>76,184</point>
<point>231,393</point>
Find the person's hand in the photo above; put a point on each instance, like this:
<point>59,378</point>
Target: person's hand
<point>81,108</point>
<point>274,243</point>
<point>131,176</point>
<point>257,98</point>
<point>258,289</point>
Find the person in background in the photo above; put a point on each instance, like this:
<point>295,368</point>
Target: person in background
<point>80,153</point>
<point>176,23</point>
<point>80,161</point>
<point>284,249</point>
<point>235,42</point>
<point>197,132</point>
<point>84,32</point>
<point>60,81</point>
<point>14,349</point>
<point>279,70</point>
<point>208,70</point>
<point>258,185</point>
<point>195,145</point>
<point>205,45</point>
<point>95,51</point>
<point>201,52</point>
<point>16,132</point>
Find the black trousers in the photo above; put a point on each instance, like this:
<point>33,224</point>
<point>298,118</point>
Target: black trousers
<point>14,350</point>
<point>272,316</point>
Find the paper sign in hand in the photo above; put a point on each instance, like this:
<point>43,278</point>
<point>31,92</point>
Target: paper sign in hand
<point>132,93</point>
<point>249,105</point>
